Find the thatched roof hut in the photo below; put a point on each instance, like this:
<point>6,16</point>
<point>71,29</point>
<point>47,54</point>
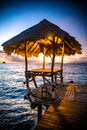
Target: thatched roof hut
<point>37,34</point>
<point>43,37</point>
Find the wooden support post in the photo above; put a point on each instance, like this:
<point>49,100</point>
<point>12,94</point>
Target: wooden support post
<point>26,65</point>
<point>39,112</point>
<point>44,51</point>
<point>26,68</point>
<point>61,74</point>
<point>53,59</point>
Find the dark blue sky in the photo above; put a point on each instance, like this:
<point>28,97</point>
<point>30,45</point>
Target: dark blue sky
<point>18,15</point>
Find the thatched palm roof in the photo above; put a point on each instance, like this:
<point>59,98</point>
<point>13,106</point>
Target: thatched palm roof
<point>37,38</point>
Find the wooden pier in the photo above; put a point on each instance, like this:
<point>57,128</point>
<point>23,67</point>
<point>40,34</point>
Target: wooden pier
<point>67,111</point>
<point>67,115</point>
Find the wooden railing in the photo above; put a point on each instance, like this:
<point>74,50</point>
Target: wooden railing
<point>78,92</point>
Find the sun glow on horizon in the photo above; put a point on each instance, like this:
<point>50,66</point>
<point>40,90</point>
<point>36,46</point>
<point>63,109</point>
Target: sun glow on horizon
<point>18,59</point>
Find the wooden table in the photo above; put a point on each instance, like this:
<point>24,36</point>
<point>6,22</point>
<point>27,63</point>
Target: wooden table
<point>46,72</point>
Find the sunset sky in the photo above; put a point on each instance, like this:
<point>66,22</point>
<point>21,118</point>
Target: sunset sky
<point>19,15</point>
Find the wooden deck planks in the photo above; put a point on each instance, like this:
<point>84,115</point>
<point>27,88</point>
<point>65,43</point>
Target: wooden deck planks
<point>68,110</point>
<point>66,116</point>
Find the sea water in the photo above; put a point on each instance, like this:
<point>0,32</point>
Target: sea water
<point>15,112</point>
